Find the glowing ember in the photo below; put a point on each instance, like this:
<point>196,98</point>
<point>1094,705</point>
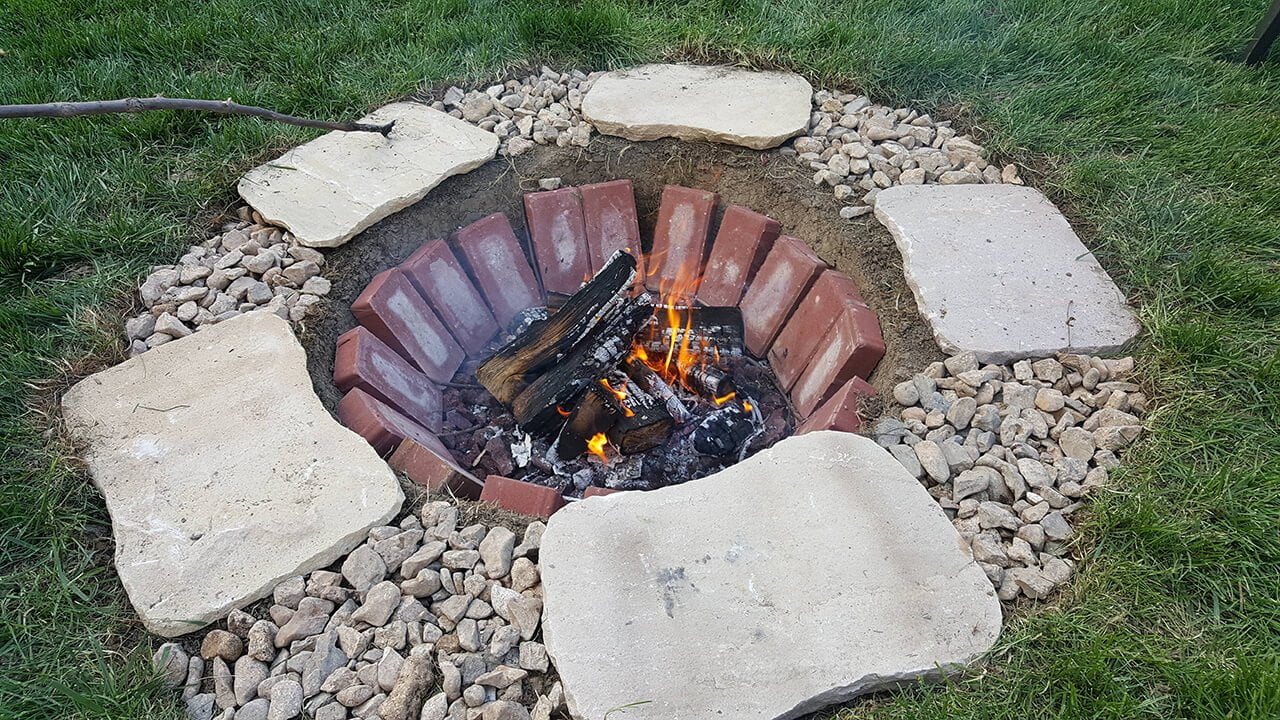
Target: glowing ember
<point>620,394</point>
<point>596,446</point>
<point>726,398</point>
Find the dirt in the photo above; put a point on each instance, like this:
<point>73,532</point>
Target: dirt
<point>766,182</point>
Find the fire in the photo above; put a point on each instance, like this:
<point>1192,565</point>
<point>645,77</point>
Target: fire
<point>677,297</point>
<point>746,406</point>
<point>726,398</point>
<point>562,412</point>
<point>620,394</point>
<point>596,446</point>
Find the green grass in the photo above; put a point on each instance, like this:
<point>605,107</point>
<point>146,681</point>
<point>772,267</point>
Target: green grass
<point>1130,112</point>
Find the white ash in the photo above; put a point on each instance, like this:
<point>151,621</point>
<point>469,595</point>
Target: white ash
<point>425,620</point>
<point>250,265</point>
<point>1011,452</point>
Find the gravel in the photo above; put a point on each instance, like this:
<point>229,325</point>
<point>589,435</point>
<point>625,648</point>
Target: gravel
<point>1012,453</point>
<point>379,640</point>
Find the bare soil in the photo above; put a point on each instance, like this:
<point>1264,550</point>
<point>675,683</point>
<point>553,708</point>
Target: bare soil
<point>766,182</point>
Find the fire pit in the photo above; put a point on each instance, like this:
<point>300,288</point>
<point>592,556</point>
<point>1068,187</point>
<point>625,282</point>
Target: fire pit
<point>580,365</point>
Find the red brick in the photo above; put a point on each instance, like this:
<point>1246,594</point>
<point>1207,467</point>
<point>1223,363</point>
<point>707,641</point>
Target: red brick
<point>395,312</point>
<point>787,274</point>
<point>680,239</point>
<point>840,412</point>
<point>433,466</point>
<point>498,264</point>
<point>742,243</point>
<point>346,336</point>
<point>851,347</point>
<point>366,362</point>
<point>830,295</point>
<point>521,497</point>
<point>558,235</point>
<point>378,423</point>
<point>595,491</point>
<point>609,212</point>
<point>435,271</point>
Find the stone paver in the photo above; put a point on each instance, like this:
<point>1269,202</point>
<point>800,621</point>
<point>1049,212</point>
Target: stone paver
<point>331,188</point>
<point>222,472</point>
<point>811,573</point>
<point>996,269</point>
<point>699,102</point>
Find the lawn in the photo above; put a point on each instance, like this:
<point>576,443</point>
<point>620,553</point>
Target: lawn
<point>1130,114</point>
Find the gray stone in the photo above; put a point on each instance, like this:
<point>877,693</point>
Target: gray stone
<point>311,618</point>
<point>436,707</point>
<point>696,102</point>
<point>412,684</point>
<point>691,569</point>
<point>496,550</point>
<point>331,188</point>
<point>933,460</point>
<point>286,700</point>
<point>996,269</point>
<point>254,710</point>
<point>364,568</point>
<point>204,521</point>
<point>170,662</point>
<point>379,603</point>
<point>249,673</point>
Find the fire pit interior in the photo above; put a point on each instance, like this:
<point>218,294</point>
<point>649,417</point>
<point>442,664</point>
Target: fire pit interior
<point>618,333</point>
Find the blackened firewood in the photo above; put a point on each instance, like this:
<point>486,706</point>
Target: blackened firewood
<point>724,432</point>
<point>645,422</point>
<point>547,343</point>
<point>561,384</point>
<point>709,330</point>
<point>710,382</point>
<point>652,383</point>
<point>595,413</point>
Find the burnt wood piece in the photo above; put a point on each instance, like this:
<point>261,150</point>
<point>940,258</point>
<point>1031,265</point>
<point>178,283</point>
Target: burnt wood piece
<point>603,348</point>
<point>546,343</point>
<point>595,413</point>
<point>709,329</point>
<point>652,383</point>
<point>710,382</point>
<point>724,432</point>
<point>644,424</point>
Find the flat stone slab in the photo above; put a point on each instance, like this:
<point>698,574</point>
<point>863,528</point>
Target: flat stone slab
<point>996,269</point>
<point>756,109</point>
<point>331,188</point>
<point>222,472</point>
<point>813,572</point>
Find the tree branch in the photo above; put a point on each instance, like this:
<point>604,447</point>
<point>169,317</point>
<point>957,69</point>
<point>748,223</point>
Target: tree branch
<point>136,105</point>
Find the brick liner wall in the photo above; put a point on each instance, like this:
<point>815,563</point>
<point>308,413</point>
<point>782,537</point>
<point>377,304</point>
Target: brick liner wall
<point>808,320</point>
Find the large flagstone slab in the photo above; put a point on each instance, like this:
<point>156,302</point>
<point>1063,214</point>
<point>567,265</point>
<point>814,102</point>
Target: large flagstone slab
<point>813,572</point>
<point>331,188</point>
<point>756,109</point>
<point>222,472</point>
<point>996,269</point>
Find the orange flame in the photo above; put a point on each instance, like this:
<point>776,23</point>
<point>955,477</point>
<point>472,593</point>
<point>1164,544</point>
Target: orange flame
<point>620,394</point>
<point>562,411</point>
<point>596,446</point>
<point>726,398</point>
<point>746,406</point>
<point>684,354</point>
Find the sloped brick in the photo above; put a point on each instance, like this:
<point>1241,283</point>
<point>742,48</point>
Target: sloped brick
<point>439,277</point>
<point>787,273</point>
<point>498,264</point>
<point>609,212</point>
<point>597,491</point>
<point>433,466</point>
<point>379,423</point>
<point>851,347</point>
<point>558,235</point>
<point>830,295</point>
<point>680,239</point>
<point>840,411</point>
<point>393,310</point>
<point>366,362</point>
<point>743,241</point>
<point>521,497</point>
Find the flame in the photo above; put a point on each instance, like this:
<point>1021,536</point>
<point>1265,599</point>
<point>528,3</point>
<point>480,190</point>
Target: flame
<point>562,411</point>
<point>746,406</point>
<point>677,297</point>
<point>726,398</point>
<point>620,394</point>
<point>596,446</point>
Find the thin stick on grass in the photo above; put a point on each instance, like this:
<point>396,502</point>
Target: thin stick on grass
<point>137,105</point>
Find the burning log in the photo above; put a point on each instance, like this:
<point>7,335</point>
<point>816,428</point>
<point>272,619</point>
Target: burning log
<point>595,414</point>
<point>651,382</point>
<point>711,382</point>
<point>706,329</point>
<point>546,342</point>
<point>644,423</point>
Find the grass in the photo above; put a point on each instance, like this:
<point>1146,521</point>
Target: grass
<point>1130,114</point>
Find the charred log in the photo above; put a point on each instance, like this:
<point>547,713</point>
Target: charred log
<point>706,329</point>
<point>652,383</point>
<point>644,424</point>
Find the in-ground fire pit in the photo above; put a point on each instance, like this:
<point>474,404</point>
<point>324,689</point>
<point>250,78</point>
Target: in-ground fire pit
<point>587,365</point>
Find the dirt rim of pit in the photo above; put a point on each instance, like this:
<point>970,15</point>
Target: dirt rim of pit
<point>766,182</point>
